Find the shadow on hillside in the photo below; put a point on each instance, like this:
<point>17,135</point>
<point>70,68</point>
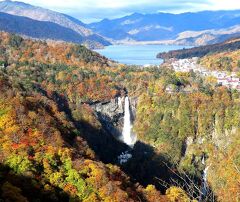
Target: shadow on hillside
<point>145,167</point>
<point>105,146</point>
<point>15,187</point>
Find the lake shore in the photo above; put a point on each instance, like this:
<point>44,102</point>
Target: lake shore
<point>140,54</point>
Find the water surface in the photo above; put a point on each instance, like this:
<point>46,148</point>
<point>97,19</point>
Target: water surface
<point>136,54</point>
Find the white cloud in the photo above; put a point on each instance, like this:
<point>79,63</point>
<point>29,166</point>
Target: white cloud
<point>81,4</point>
<point>119,4</point>
<point>225,4</point>
<point>98,9</point>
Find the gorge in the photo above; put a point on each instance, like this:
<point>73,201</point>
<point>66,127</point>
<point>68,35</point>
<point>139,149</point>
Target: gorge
<point>68,123</point>
<point>117,116</point>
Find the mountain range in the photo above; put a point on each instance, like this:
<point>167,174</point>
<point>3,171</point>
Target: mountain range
<point>42,23</point>
<point>200,28</point>
<point>186,28</point>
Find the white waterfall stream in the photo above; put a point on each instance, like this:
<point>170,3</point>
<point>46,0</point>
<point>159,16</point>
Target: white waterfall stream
<point>205,184</point>
<point>127,135</point>
<point>204,188</point>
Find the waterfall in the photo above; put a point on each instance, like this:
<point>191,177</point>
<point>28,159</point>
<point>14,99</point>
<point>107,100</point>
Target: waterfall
<point>204,188</point>
<point>127,135</point>
<point>205,184</point>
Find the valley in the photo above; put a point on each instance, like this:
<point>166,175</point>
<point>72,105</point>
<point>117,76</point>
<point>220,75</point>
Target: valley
<point>74,104</point>
<point>140,107</point>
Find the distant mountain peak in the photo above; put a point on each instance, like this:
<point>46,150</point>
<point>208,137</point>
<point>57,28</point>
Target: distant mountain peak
<point>22,9</point>
<point>19,3</point>
<point>136,14</point>
<point>162,26</point>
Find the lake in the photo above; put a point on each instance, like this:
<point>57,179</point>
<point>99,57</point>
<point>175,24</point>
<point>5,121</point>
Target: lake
<point>136,54</point>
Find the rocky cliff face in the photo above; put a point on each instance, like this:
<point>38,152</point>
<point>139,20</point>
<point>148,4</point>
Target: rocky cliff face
<point>111,114</point>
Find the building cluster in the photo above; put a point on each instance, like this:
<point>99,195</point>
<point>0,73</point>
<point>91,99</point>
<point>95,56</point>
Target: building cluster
<point>227,79</point>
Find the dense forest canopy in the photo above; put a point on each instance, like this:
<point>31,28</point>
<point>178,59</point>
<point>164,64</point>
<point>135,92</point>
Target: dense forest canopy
<point>47,128</point>
<point>229,45</point>
<point>223,61</point>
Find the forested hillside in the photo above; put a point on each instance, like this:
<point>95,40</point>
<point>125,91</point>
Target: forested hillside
<point>223,61</point>
<point>44,125</point>
<point>36,22</point>
<point>38,29</point>
<point>187,128</point>
<point>53,147</point>
<point>229,45</point>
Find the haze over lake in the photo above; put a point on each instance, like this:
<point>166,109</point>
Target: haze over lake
<point>137,54</point>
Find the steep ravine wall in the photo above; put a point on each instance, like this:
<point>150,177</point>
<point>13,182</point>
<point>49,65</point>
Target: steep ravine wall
<point>111,114</point>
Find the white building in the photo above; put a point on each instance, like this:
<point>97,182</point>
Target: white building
<point>223,78</point>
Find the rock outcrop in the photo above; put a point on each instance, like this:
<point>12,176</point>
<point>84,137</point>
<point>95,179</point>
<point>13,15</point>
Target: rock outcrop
<point>111,114</point>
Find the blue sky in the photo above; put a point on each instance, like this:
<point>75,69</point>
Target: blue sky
<point>92,10</point>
